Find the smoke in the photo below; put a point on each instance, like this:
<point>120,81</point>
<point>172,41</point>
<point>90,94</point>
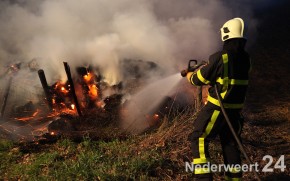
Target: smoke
<point>107,33</point>
<point>104,32</point>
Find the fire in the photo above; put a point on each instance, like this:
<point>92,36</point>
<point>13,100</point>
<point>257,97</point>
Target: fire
<point>88,77</point>
<point>56,85</point>
<point>36,112</point>
<point>64,90</point>
<point>28,117</point>
<point>72,106</point>
<point>100,104</point>
<point>89,80</point>
<point>93,91</point>
<point>155,116</point>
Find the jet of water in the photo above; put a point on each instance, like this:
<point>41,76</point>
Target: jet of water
<point>142,103</point>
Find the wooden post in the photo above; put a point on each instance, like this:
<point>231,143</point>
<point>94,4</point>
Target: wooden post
<point>45,87</point>
<point>6,94</point>
<point>72,88</point>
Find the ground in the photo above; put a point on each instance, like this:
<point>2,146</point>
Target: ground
<point>160,155</point>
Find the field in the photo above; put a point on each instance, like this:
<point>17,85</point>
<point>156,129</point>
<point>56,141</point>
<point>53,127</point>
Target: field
<point>161,154</point>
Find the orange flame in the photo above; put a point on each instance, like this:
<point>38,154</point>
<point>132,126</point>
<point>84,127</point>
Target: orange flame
<point>72,106</point>
<point>88,77</point>
<point>28,117</point>
<point>93,91</point>
<point>156,116</point>
<point>36,112</point>
<point>99,104</point>
<point>64,90</point>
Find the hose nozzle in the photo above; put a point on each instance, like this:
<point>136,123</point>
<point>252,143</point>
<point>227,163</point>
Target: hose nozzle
<point>184,73</point>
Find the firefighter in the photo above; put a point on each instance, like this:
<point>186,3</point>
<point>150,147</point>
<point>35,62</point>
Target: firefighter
<point>229,69</point>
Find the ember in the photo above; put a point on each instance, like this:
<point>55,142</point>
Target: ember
<point>72,106</point>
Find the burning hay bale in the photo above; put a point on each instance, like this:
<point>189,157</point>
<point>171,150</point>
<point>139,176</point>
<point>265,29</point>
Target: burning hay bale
<point>86,103</point>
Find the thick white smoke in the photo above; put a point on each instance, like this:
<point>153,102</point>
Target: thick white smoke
<point>104,32</point>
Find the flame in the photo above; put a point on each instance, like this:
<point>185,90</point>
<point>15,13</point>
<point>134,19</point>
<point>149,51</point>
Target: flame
<point>93,91</point>
<point>28,117</point>
<point>52,133</point>
<point>35,113</point>
<point>155,116</point>
<point>88,77</point>
<point>64,90</point>
<point>24,119</point>
<point>100,104</point>
<point>59,86</point>
<point>72,106</point>
<point>56,85</point>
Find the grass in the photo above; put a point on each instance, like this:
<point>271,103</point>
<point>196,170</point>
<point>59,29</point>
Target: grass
<point>159,154</point>
<point>151,156</point>
<point>87,160</point>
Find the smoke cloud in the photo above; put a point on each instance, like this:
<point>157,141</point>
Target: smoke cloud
<point>104,32</point>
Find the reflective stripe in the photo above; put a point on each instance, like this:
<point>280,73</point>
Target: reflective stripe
<point>207,131</point>
<point>201,78</point>
<point>232,179</point>
<point>225,58</point>
<point>225,82</point>
<point>212,121</point>
<point>191,79</point>
<point>233,81</point>
<point>201,170</point>
<point>201,146</point>
<point>226,77</point>
<point>226,105</point>
<point>200,160</point>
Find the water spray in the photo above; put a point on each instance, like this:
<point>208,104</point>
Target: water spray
<point>145,101</point>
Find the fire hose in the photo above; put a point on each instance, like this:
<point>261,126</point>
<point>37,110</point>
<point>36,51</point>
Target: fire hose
<point>194,68</point>
<point>233,131</point>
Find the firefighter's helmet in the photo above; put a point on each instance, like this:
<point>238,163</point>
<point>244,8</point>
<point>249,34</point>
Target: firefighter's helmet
<point>234,28</point>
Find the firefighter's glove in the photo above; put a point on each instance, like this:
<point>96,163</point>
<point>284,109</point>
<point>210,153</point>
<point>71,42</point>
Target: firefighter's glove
<point>184,73</point>
<point>188,75</point>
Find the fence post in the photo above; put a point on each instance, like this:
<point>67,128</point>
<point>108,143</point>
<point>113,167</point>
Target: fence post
<point>6,94</point>
<point>45,87</point>
<point>71,83</point>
